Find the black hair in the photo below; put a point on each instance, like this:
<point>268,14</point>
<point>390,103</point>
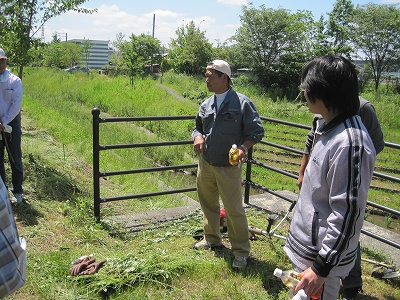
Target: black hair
<point>219,73</point>
<point>333,80</point>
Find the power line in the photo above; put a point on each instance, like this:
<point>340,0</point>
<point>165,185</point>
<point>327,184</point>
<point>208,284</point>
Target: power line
<point>62,34</point>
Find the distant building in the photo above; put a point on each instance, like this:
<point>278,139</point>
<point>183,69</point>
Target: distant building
<point>154,68</point>
<point>100,53</point>
<point>248,72</point>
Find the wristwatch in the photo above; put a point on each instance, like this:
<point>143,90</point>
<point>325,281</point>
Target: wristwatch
<point>244,148</point>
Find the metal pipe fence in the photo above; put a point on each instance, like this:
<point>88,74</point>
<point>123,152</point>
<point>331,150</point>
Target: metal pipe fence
<point>247,182</point>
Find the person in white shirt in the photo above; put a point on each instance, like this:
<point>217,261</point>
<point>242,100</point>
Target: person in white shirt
<point>10,127</point>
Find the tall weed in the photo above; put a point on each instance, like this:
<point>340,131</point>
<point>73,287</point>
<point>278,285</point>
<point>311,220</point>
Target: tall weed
<point>68,99</point>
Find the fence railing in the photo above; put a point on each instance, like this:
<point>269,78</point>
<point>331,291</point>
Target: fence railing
<point>250,162</point>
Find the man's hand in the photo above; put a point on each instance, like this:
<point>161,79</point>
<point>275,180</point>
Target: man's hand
<point>241,156</point>
<point>300,180</point>
<point>199,144</point>
<point>303,165</point>
<point>310,282</point>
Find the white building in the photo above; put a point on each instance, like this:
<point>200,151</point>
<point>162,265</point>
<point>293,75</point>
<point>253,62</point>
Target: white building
<point>100,53</point>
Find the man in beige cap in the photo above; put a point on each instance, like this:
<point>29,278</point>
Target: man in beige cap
<point>225,118</point>
<point>10,126</point>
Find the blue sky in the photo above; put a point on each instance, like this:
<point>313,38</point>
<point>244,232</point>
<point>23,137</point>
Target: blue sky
<point>218,18</point>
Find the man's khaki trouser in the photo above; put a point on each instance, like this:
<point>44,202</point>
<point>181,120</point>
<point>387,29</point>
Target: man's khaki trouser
<point>226,182</point>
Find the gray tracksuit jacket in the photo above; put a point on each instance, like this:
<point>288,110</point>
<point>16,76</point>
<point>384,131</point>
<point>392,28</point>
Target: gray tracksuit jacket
<point>329,214</point>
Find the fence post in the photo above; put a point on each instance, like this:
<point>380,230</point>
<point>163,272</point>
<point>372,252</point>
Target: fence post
<point>248,176</point>
<point>96,162</point>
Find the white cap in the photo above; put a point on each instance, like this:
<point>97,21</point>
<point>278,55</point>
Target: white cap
<point>220,65</point>
<point>278,272</point>
<point>2,54</point>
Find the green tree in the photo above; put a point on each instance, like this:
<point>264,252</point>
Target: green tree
<point>36,53</point>
<point>55,38</point>
<point>86,46</point>
<point>20,20</point>
<point>321,44</point>
<point>116,56</point>
<point>164,63</point>
<point>299,47</point>
<point>338,27</point>
<point>376,33</point>
<point>191,51</point>
<point>135,54</point>
<point>131,62</point>
<point>276,44</point>
<point>224,51</point>
<point>62,55</point>
<point>235,56</point>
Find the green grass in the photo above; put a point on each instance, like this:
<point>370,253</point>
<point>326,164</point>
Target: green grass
<point>156,263</point>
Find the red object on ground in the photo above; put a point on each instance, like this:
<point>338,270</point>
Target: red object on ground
<point>222,217</point>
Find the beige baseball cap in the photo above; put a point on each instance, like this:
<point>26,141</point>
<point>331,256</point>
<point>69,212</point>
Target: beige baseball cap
<point>222,66</point>
<point>2,54</point>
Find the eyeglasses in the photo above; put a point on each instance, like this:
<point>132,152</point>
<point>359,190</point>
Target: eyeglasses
<point>301,96</point>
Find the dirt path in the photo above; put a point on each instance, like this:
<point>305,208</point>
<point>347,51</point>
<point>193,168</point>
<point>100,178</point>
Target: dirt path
<point>172,92</point>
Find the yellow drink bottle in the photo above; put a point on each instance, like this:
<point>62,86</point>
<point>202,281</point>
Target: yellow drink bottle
<point>233,155</point>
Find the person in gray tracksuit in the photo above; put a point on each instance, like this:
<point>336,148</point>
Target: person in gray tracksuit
<point>352,284</point>
<point>327,221</point>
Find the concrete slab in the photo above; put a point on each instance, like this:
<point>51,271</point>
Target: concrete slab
<point>268,202</point>
<point>138,221</point>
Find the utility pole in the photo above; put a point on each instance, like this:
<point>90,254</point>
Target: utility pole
<point>154,23</point>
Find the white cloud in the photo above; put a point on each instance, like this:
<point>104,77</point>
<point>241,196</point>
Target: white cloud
<point>109,20</point>
<point>233,2</point>
<point>106,23</point>
<point>163,14</point>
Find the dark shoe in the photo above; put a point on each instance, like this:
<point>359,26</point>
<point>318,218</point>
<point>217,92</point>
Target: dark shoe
<point>16,198</point>
<point>240,262</point>
<point>351,293</point>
